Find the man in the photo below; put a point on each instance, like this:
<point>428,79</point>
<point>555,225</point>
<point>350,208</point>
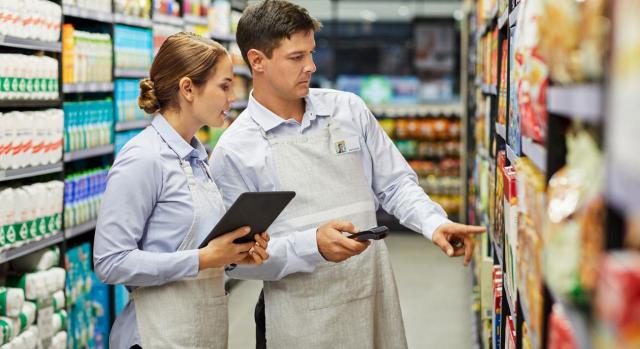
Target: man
<point>289,138</point>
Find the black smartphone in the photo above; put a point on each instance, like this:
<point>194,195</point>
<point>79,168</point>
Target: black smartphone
<point>377,233</point>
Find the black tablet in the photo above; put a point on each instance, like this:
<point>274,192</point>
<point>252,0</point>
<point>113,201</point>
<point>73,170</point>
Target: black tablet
<point>256,210</point>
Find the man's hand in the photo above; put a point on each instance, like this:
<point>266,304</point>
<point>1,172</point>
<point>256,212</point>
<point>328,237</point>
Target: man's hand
<point>457,239</point>
<point>334,246</point>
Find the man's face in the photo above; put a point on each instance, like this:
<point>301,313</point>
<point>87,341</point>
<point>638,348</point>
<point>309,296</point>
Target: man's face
<point>291,65</point>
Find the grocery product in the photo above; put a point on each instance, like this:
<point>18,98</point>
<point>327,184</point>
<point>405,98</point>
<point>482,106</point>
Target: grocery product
<point>561,335</point>
<point>31,19</point>
<point>502,95</point>
<point>87,57</point>
<point>136,8</point>
<point>37,261</point>
<point>219,15</point>
<point>196,8</point>
<point>88,124</point>
<point>126,96</point>
<point>83,194</point>
<point>95,5</point>
<point>166,7</point>
<point>133,47</point>
<point>28,77</point>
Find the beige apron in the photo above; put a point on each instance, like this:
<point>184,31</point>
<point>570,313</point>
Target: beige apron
<point>189,313</point>
<point>353,304</point>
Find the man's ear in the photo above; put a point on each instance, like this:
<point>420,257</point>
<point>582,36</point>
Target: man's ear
<point>185,86</point>
<point>256,59</point>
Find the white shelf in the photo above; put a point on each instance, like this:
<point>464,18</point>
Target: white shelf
<point>9,175</point>
<point>513,16</point>
<point>169,20</point>
<point>81,229</point>
<point>130,73</point>
<point>88,153</point>
<point>25,103</point>
<point>132,20</point>
<point>536,153</point>
<point>85,87</point>
<point>582,102</point>
<point>30,44</point>
<point>511,155</point>
<point>132,125</point>
<point>195,20</point>
<point>501,130</point>
<point>223,37</point>
<point>31,247</point>
<point>503,19</point>
<point>416,110</point>
<point>239,104</point>
<point>78,12</point>
<point>242,71</point>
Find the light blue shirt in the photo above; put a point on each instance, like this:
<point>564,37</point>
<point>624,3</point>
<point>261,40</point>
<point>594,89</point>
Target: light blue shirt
<point>242,161</point>
<point>145,214</point>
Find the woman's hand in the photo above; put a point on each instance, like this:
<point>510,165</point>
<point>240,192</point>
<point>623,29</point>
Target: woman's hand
<point>222,251</point>
<point>258,253</point>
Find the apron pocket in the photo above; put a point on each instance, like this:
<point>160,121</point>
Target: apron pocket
<point>342,283</point>
<point>211,322</point>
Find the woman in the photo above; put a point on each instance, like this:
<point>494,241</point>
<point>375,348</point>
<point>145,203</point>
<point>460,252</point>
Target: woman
<point>161,202</point>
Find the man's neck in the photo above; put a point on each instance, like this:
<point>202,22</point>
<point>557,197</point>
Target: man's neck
<point>284,108</point>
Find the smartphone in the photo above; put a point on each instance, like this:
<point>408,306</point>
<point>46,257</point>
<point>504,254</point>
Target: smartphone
<point>377,233</point>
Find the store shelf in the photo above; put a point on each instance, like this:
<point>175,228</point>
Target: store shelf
<point>511,155</point>
<point>578,320</point>
<point>132,20</point>
<point>536,153</point>
<point>416,110</point>
<point>503,19</point>
<point>31,247</point>
<point>489,89</point>
<point>81,229</point>
<point>132,125</point>
<point>239,105</point>
<point>41,103</point>
<point>223,37</point>
<point>169,20</point>
<point>30,44</point>
<point>88,87</point>
<point>623,187</point>
<point>130,73</point>
<point>78,12</point>
<point>242,71</point>
<point>583,102</point>
<point>513,16</point>
<point>195,20</point>
<point>88,153</point>
<point>10,175</point>
<point>501,130</point>
<point>510,298</point>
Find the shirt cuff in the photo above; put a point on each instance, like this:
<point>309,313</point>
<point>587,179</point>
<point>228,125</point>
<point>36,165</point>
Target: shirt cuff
<point>305,245</point>
<point>431,224</point>
<point>186,264</point>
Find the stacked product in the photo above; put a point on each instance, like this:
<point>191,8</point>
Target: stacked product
<point>219,18</point>
<point>497,307</point>
<point>86,56</point>
<point>133,48</point>
<point>88,124</point>
<point>32,19</point>
<point>25,77</point>
<point>135,8</point>
<point>166,7</point>
<point>82,195</point>
<point>30,213</point>
<point>87,302</point>
<point>40,282</point>
<point>95,5</point>
<point>31,138</point>
<point>126,94</point>
<point>197,8</point>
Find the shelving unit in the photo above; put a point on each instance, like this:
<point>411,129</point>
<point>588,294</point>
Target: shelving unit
<point>129,73</point>
<point>43,103</point>
<point>31,247</point>
<point>88,153</point>
<point>81,229</point>
<point>30,44</point>
<point>133,21</point>
<point>33,171</point>
<point>78,12</point>
<point>88,87</point>
<point>132,125</point>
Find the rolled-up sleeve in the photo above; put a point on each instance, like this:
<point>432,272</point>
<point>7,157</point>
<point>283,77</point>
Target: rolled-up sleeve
<point>395,183</point>
<point>292,253</point>
<point>134,186</point>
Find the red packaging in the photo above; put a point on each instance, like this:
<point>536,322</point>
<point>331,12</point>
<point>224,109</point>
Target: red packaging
<point>561,334</point>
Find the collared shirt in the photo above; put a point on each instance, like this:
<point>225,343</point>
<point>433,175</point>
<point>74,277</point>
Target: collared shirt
<point>145,214</point>
<point>242,161</point>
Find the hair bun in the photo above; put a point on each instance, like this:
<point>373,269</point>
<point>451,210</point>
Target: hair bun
<point>147,100</point>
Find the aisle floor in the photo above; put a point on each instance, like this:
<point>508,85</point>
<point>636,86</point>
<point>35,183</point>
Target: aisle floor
<point>434,295</point>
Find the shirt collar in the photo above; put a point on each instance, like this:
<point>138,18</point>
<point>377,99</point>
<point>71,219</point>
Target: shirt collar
<point>268,120</point>
<point>176,142</point>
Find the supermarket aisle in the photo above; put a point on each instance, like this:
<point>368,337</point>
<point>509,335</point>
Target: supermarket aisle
<point>434,293</point>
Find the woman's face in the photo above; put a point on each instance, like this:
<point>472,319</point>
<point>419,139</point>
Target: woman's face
<point>213,99</point>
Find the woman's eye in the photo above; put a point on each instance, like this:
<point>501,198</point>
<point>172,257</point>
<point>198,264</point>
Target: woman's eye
<point>297,58</point>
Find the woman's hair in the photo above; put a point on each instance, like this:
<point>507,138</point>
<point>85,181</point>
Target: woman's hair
<point>181,55</point>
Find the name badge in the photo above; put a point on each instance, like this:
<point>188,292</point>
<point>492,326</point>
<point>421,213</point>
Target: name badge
<point>348,145</point>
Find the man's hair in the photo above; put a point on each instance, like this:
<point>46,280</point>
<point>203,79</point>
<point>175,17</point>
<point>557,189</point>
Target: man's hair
<point>263,25</point>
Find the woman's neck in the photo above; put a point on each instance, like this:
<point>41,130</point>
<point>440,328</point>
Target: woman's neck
<point>185,126</point>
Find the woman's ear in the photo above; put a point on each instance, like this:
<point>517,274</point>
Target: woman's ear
<point>256,60</point>
<point>186,89</point>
